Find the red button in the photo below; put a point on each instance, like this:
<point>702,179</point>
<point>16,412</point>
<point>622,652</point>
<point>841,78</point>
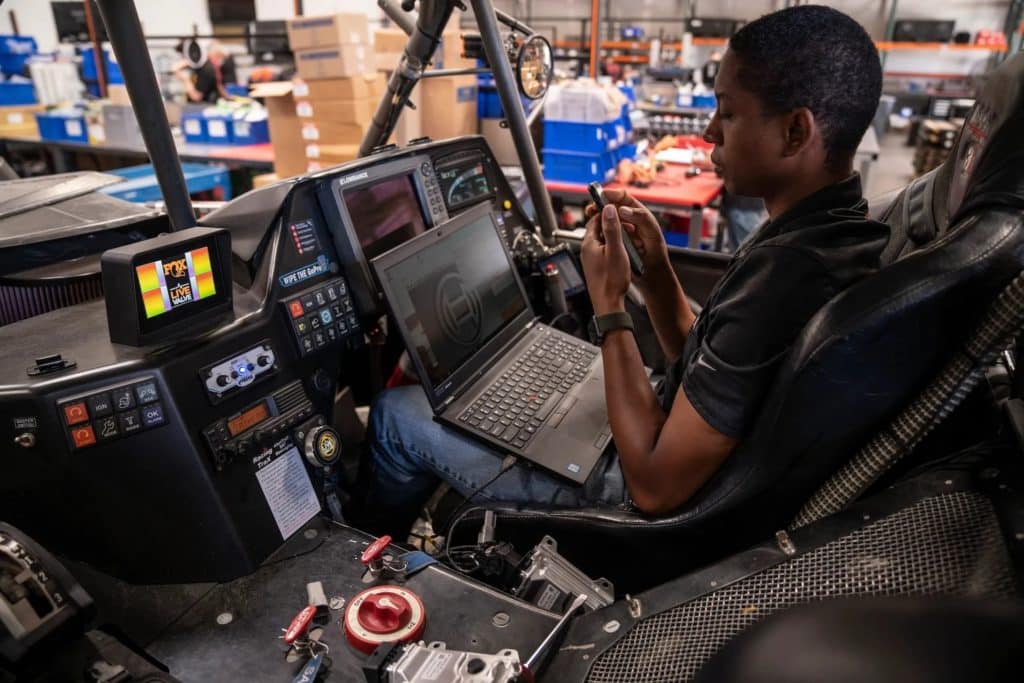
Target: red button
<point>83,436</point>
<point>296,308</point>
<point>75,413</point>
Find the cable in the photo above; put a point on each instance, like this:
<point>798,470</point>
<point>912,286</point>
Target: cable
<point>457,515</point>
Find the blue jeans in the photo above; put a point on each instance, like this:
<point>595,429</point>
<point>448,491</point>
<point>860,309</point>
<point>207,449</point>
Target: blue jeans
<point>411,454</point>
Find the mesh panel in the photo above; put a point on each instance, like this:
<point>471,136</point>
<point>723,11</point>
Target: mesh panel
<point>949,544</point>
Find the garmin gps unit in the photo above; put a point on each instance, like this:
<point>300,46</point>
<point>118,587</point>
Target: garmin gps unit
<point>167,287</point>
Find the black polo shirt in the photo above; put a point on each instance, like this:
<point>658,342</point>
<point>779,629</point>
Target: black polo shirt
<point>773,286</point>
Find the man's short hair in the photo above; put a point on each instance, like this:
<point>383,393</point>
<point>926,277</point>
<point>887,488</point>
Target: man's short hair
<point>815,57</point>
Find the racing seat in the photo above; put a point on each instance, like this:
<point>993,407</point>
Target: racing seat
<point>957,242</point>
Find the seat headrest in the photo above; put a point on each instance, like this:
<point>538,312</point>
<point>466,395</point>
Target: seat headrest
<point>984,164</point>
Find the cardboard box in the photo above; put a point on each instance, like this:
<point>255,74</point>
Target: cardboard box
<point>408,128</point>
<point>340,61</point>
<point>332,133</point>
<point>118,94</point>
<point>449,53</point>
<point>335,154</point>
<point>387,61</point>
<point>389,44</point>
<point>344,111</point>
<point>324,156</point>
<point>263,180</point>
<point>500,141</point>
<point>447,106</point>
<point>285,127</point>
<point>360,87</point>
<point>20,119</point>
<point>389,40</point>
<point>344,28</point>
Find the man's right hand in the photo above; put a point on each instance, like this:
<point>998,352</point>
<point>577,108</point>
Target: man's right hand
<point>642,227</point>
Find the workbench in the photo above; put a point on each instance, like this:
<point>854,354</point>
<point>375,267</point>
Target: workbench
<point>256,157</point>
<point>671,190</point>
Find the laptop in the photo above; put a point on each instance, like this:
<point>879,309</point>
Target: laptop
<point>488,367</point>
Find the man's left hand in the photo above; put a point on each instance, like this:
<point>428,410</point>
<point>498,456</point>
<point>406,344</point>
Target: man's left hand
<point>605,262</point>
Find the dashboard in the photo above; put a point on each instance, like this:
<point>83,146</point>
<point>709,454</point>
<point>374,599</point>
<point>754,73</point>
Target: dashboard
<point>193,457</point>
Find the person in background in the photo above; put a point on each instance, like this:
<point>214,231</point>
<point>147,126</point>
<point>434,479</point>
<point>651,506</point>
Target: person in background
<point>205,83</point>
<point>200,81</point>
<point>224,63</point>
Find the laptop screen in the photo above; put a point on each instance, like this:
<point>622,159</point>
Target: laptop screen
<point>454,295</point>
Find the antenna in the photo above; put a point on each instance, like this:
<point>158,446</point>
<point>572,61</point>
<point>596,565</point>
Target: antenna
<point>125,34</point>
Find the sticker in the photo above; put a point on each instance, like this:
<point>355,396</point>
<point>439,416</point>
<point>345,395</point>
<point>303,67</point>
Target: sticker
<point>436,665</point>
<point>216,128</point>
<point>304,237</point>
<point>287,488</point>
<point>300,89</point>
<point>16,118</point>
<point>312,151</point>
<point>304,109</point>
<point>193,127</point>
<point>318,267</point>
<point>73,128</point>
<point>242,129</point>
<point>548,597</point>
<point>310,132</point>
<point>26,422</point>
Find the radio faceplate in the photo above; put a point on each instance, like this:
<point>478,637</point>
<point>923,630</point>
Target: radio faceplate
<point>255,426</point>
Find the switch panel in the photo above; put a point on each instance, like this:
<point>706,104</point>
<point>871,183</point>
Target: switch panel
<point>322,316</point>
<point>112,413</point>
<point>229,376</point>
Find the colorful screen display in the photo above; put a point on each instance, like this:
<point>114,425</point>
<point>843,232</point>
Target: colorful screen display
<point>170,283</point>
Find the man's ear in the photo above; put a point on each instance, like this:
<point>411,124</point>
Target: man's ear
<point>800,130</point>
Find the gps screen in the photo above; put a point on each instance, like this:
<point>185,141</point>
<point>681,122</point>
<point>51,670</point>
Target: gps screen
<point>173,282</point>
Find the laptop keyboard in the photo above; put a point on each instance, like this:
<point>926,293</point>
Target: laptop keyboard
<point>514,407</point>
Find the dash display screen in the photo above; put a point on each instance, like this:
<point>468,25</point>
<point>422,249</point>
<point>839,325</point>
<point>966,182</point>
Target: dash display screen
<point>173,282</point>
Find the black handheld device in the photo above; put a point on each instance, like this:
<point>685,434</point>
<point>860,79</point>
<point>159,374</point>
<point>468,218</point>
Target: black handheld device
<point>635,262</point>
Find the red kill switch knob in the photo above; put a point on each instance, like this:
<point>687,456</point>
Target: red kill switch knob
<point>383,614</point>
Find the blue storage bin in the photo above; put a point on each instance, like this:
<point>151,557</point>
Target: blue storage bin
<point>618,133</point>
<point>140,184</point>
<point>17,93</point>
<point>193,127</point>
<point>250,132</point>
<point>575,167</point>
<point>62,127</point>
<point>14,52</point>
<point>219,130</point>
<point>578,137</point>
<point>114,76</point>
<point>704,101</point>
<point>489,103</point>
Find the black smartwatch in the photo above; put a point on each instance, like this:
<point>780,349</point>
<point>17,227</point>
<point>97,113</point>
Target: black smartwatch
<point>601,325</point>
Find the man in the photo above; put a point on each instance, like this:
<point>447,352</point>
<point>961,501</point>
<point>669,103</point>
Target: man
<point>796,91</point>
<point>205,83</point>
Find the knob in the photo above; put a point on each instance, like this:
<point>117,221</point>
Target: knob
<point>323,446</point>
<point>223,380</point>
<point>25,440</point>
<point>263,361</point>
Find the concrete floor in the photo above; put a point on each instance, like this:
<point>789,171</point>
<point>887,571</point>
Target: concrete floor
<point>894,167</point>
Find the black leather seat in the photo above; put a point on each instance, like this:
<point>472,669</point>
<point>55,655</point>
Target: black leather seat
<point>957,241</point>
